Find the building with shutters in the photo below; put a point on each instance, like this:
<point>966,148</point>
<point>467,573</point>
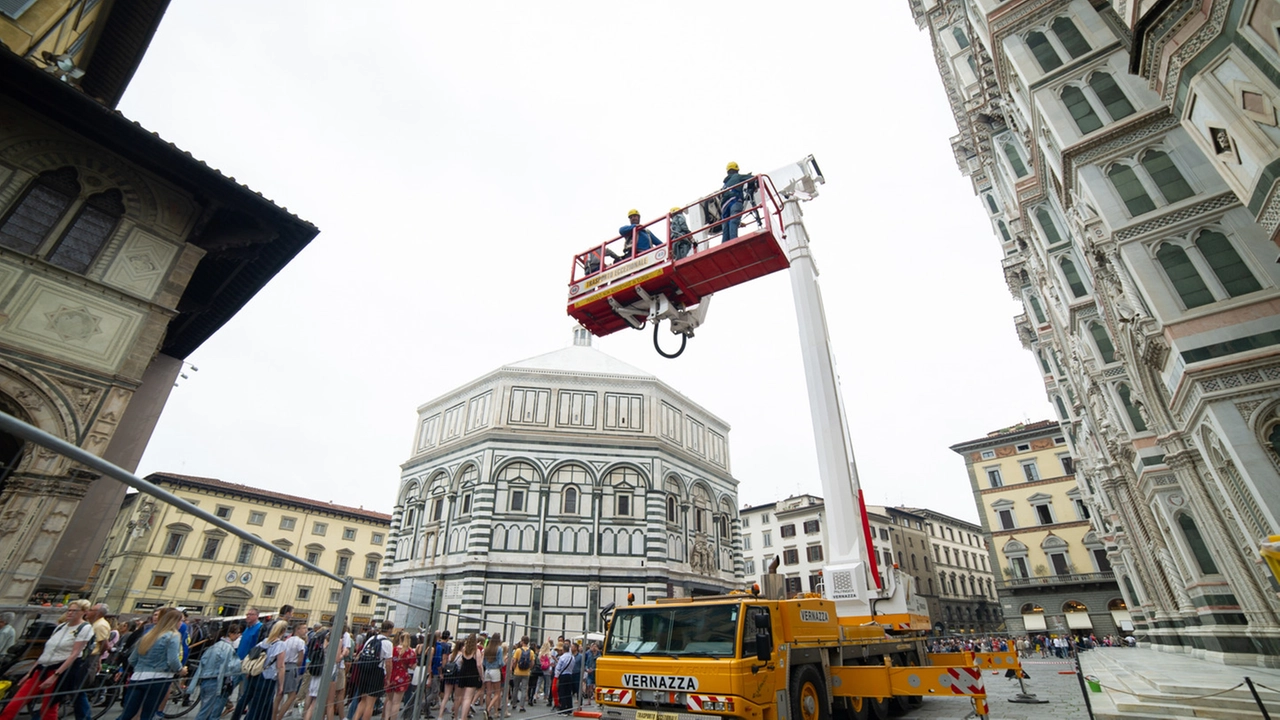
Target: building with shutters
<point>791,530</point>
<point>120,254</point>
<point>965,589</point>
<point>158,556</point>
<point>1127,155</point>
<point>1051,569</point>
<point>541,492</point>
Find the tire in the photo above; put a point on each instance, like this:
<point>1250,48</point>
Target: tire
<point>853,708</point>
<point>808,695</point>
<point>178,703</point>
<point>898,705</point>
<point>879,708</point>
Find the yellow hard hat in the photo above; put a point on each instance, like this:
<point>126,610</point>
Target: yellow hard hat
<point>731,166</point>
<point>675,210</point>
<point>632,211</point>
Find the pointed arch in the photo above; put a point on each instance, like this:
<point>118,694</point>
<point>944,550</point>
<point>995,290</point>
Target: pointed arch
<point>1231,271</point>
<point>1183,275</point>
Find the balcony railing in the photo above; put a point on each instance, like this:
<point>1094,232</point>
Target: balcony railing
<point>1060,579</point>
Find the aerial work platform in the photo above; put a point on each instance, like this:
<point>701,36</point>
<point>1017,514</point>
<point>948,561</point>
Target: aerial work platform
<point>611,287</point>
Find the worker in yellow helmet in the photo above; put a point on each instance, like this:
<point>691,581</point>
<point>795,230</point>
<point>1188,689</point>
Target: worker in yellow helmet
<point>639,238</point>
<point>731,201</point>
<point>681,240</point>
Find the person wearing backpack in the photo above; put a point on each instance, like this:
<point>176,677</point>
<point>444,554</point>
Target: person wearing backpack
<point>521,669</point>
<point>373,670</point>
<point>64,647</point>
<point>317,643</point>
<point>546,662</point>
<point>267,658</point>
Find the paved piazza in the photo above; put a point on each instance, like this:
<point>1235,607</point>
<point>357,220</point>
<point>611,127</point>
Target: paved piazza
<point>1062,692</point>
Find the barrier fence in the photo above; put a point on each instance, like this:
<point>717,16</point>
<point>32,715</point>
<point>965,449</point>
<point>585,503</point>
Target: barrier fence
<point>32,434</point>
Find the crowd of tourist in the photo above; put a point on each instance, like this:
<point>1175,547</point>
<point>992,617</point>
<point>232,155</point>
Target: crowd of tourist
<point>1056,645</point>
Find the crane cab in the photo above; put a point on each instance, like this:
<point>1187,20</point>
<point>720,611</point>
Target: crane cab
<point>686,266</point>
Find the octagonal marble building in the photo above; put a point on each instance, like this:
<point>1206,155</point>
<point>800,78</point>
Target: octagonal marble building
<point>550,487</point>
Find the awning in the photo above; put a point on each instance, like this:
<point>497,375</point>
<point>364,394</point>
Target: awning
<point>1121,618</point>
<point>1079,621</point>
<point>1126,626</point>
<point>1034,621</point>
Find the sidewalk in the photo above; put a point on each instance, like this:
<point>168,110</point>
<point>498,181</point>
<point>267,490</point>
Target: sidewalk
<point>1169,685</point>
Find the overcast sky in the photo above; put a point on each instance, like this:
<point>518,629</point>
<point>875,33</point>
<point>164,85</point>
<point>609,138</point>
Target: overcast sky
<point>455,156</point>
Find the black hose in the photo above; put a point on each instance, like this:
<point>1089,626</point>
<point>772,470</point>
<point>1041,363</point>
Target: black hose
<point>684,340</point>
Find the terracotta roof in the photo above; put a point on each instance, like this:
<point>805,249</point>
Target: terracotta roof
<point>259,493</point>
<point>1012,431</point>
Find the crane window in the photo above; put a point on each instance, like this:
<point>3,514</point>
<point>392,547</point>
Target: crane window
<point>749,630</point>
<point>684,631</point>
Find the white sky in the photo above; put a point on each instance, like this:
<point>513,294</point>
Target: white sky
<point>457,155</point>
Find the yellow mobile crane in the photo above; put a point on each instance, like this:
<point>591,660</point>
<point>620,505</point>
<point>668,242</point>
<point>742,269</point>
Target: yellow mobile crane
<point>857,649</point>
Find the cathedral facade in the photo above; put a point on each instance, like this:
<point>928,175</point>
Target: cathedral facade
<point>1127,156</point>
<point>545,490</point>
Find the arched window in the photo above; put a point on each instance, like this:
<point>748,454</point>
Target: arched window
<point>1044,53</point>
<point>1222,257</point>
<point>1073,277</point>
<point>991,203</point>
<point>570,496</point>
<point>33,217</point>
<point>673,512</point>
<point>1184,276</point>
<point>1196,542</point>
<point>1134,195</point>
<point>961,41</point>
<point>1035,308</point>
<point>1166,176</point>
<point>1135,417</point>
<point>1048,226</point>
<point>1112,97</point>
<point>1072,41</point>
<point>1004,231</point>
<point>89,231</point>
<point>1015,159</point>
<point>1081,111</point>
<point>1273,438</point>
<point>1062,409</point>
<point>1103,341</point>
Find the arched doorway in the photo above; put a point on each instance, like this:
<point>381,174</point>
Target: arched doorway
<point>12,447</point>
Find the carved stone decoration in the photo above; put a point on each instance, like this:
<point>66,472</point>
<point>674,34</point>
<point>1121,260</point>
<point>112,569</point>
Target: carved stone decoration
<point>74,324</point>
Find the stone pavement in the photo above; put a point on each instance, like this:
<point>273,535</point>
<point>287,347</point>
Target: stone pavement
<point>1168,685</point>
<point>1062,692</point>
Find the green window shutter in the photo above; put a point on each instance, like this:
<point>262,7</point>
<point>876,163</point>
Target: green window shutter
<point>959,35</point>
<point>1073,278</point>
<point>1062,409</point>
<point>991,203</point>
<point>1051,235</point>
<point>1112,97</point>
<point>1103,341</point>
<point>1044,53</point>
<point>1126,182</point>
<point>1070,37</point>
<point>1166,175</point>
<point>1080,109</point>
<point>1043,363</point>
<point>1035,307</point>
<point>1184,276</point>
<point>1226,263</point>
<point>1135,417</point>
<point>1198,548</point>
<point>1015,160</point>
<point>1004,231</point>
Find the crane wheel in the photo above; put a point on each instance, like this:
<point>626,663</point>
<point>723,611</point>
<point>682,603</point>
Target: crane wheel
<point>879,708</point>
<point>809,695</point>
<point>854,708</point>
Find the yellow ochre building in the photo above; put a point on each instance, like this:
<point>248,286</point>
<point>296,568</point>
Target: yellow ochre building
<point>159,556</point>
<point>1051,569</point>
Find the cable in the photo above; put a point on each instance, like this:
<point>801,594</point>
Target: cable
<point>684,340</point>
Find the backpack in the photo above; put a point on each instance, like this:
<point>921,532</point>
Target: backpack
<point>315,653</point>
<point>545,662</point>
<point>255,662</point>
<point>525,662</point>
<point>370,653</point>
